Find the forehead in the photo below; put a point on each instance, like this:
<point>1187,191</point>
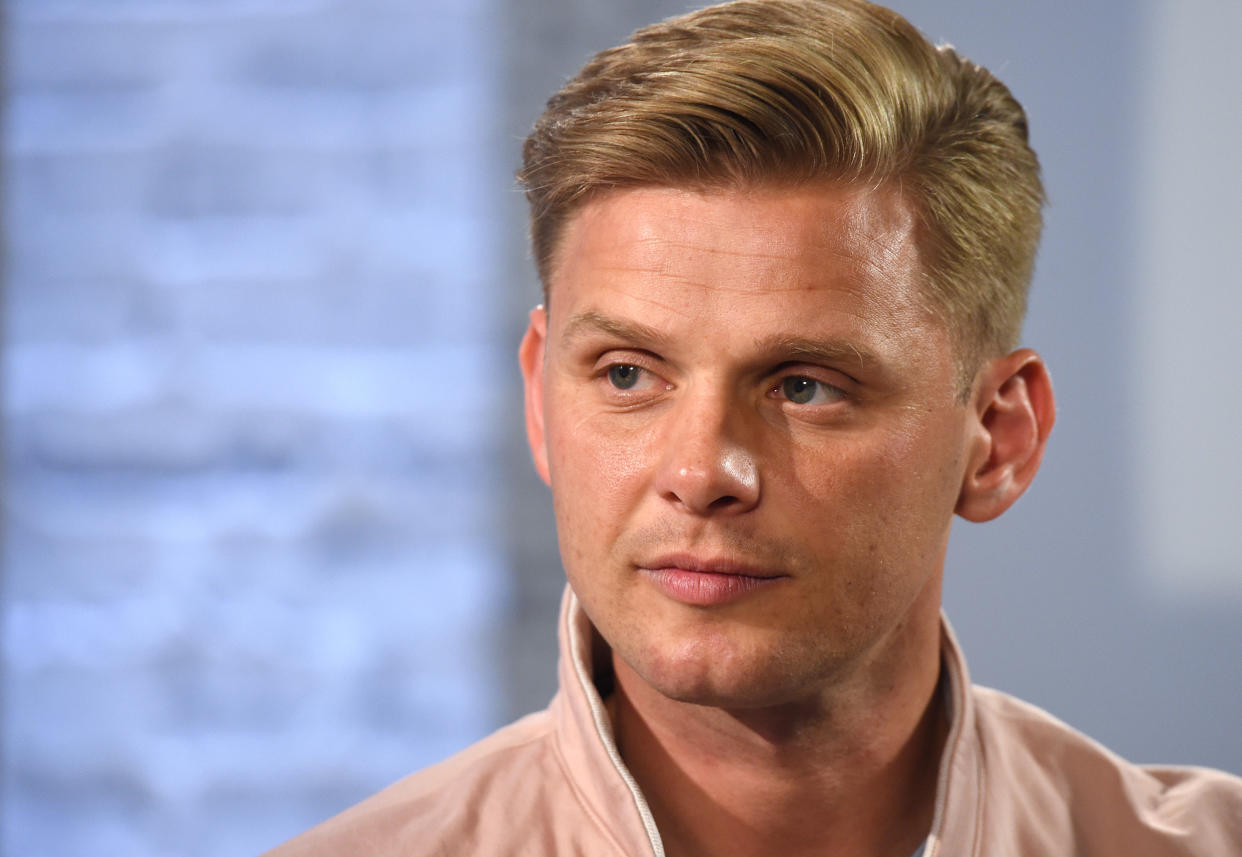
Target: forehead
<point>839,256</point>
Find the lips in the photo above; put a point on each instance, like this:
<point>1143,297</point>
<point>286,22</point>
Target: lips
<point>699,582</point>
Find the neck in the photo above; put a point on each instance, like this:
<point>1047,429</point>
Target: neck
<point>851,772</point>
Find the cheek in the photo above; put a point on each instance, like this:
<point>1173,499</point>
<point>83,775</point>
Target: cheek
<point>866,488</point>
<point>846,479</point>
<point>600,456</point>
<point>598,480</point>
<point>916,485</point>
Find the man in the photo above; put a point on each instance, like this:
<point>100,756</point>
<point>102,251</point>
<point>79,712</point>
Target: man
<point>785,246</point>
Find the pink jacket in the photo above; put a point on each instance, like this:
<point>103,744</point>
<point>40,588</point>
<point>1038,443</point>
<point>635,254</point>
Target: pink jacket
<point>1013,781</point>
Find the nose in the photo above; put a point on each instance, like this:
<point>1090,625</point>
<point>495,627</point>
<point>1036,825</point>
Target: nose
<point>707,466</point>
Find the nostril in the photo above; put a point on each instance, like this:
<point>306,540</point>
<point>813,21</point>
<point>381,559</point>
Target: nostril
<point>705,470</point>
<point>726,485</point>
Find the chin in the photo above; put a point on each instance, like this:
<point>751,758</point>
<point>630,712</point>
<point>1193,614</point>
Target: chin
<point>713,672</point>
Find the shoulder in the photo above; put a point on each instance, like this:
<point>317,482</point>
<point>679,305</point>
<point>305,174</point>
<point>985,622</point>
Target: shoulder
<point>1104,803</point>
<point>452,807</point>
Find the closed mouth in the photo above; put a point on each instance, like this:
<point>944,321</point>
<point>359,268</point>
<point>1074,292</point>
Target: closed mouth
<point>705,565</point>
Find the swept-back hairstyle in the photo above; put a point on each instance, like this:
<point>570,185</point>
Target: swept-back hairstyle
<point>771,92</point>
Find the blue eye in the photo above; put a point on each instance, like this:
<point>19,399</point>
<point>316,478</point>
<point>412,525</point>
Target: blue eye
<point>808,391</point>
<point>800,391</point>
<point>623,376</point>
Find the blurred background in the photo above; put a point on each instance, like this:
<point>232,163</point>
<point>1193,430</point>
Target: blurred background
<point>271,539</point>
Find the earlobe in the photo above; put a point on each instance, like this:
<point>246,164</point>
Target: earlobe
<point>1013,416</point>
<point>530,357</point>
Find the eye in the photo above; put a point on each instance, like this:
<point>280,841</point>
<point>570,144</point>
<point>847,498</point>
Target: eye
<point>807,391</point>
<point>624,376</point>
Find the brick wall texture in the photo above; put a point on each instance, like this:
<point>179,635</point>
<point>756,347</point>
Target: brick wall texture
<point>250,403</point>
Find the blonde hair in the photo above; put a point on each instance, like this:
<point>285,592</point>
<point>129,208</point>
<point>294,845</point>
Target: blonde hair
<point>761,92</point>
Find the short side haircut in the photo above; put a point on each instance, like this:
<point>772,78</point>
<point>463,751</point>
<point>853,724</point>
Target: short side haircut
<point>768,92</point>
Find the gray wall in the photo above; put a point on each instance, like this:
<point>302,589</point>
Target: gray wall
<point>265,274</point>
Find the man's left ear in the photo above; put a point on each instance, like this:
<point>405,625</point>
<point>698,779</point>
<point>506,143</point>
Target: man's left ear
<point>1013,412</point>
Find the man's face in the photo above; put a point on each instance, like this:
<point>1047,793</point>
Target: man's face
<point>753,434</point>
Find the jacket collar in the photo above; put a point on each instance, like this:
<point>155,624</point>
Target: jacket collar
<point>586,744</point>
<point>959,786</point>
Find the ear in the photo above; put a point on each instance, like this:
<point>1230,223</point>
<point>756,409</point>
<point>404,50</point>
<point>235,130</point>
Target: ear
<point>530,357</point>
<point>1013,413</point>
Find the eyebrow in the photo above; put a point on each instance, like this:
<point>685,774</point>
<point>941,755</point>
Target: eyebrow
<point>819,351</point>
<point>586,323</point>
